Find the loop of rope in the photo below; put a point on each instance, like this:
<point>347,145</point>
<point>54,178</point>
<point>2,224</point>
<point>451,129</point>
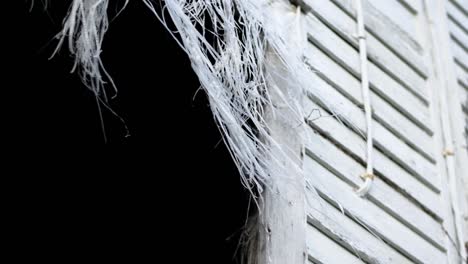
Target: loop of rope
<point>448,152</point>
<point>366,176</point>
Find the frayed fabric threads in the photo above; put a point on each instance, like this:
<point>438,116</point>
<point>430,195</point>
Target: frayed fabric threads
<point>84,30</point>
<point>231,69</point>
<point>248,56</point>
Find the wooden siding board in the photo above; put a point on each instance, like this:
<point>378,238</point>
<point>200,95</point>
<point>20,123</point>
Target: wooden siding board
<point>387,115</point>
<point>412,6</point>
<point>458,35</point>
<point>344,25</point>
<point>462,76</point>
<point>462,96</point>
<point>462,5</point>
<point>348,170</point>
<point>367,213</point>
<point>380,82</point>
<point>385,167</point>
<point>396,39</point>
<point>457,16</point>
<point>323,250</point>
<point>398,14</point>
<point>384,140</point>
<point>350,234</point>
<point>460,56</point>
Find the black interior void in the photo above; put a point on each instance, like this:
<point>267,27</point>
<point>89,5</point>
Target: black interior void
<point>169,193</point>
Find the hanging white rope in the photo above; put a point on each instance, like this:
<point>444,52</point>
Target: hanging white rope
<point>368,176</point>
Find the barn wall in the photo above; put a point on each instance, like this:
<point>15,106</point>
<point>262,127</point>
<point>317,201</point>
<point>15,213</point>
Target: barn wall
<point>407,216</point>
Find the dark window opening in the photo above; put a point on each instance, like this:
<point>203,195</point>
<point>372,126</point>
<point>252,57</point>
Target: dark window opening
<point>169,193</point>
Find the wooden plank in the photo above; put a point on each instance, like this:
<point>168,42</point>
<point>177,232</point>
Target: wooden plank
<point>378,23</point>
<point>462,64</point>
<point>460,56</point>
<point>344,24</point>
<point>350,235</point>
<point>384,167</point>
<point>462,96</point>
<point>400,98</point>
<point>461,5</point>
<point>458,35</point>
<point>464,142</point>
<point>412,161</point>
<point>457,16</point>
<point>327,40</point>
<point>377,52</point>
<point>412,6</point>
<point>398,14</point>
<point>393,202</point>
<point>462,84</point>
<point>463,104</point>
<point>462,76</point>
<point>383,112</point>
<point>365,212</point>
<point>385,30</point>
<point>322,249</point>
<point>395,67</point>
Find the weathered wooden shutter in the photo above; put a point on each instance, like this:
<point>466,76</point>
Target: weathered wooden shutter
<point>407,216</point>
<point>457,13</point>
<point>457,25</point>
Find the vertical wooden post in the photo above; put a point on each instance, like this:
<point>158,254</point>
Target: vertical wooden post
<point>283,220</point>
<point>451,120</point>
<point>283,223</point>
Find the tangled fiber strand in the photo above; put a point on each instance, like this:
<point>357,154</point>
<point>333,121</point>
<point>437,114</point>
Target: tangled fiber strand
<point>44,3</point>
<point>84,28</point>
<point>248,56</point>
<point>231,70</point>
<point>250,64</point>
